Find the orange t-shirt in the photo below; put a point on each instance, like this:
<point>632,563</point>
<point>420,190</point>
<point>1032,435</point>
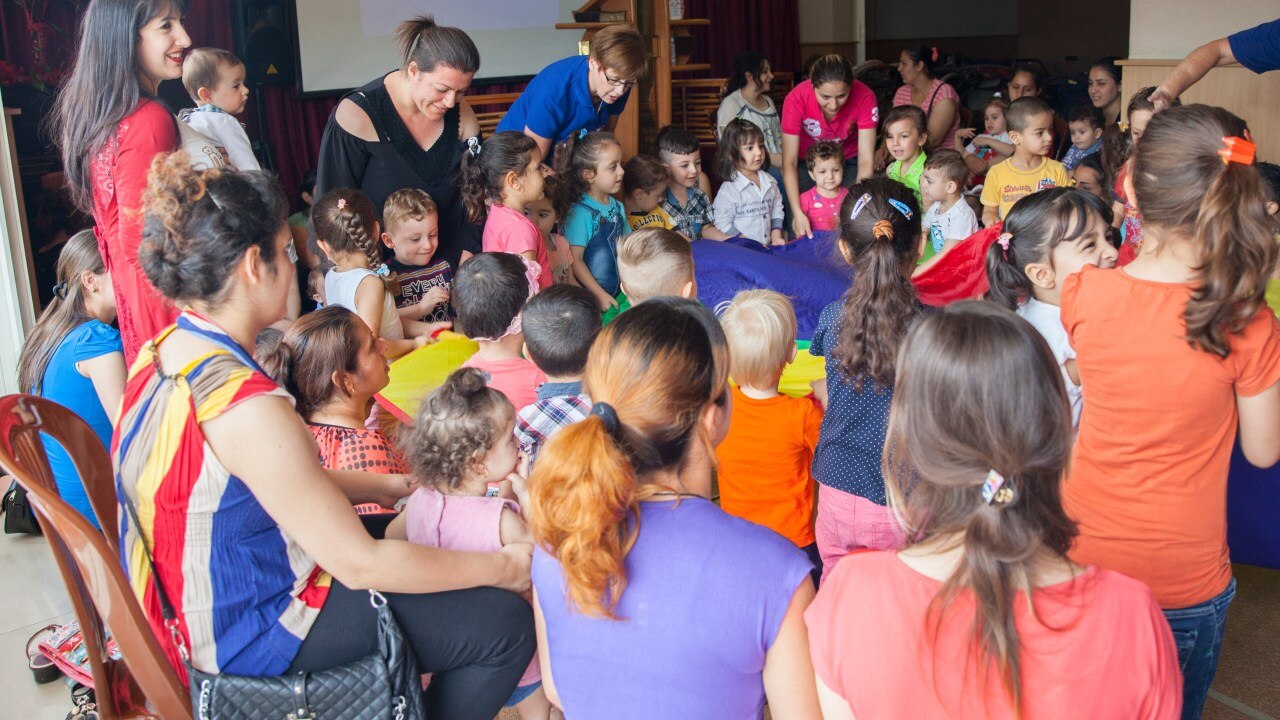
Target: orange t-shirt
<point>1148,480</point>
<point>1101,648</point>
<point>764,463</point>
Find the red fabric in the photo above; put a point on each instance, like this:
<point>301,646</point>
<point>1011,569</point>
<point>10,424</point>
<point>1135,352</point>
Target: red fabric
<point>961,274</point>
<point>769,27</point>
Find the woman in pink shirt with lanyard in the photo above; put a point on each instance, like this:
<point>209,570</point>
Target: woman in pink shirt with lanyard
<point>830,105</point>
<point>937,99</point>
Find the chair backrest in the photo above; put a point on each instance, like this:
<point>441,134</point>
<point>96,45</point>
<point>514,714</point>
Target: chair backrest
<point>694,104</point>
<point>143,684</point>
<point>490,109</point>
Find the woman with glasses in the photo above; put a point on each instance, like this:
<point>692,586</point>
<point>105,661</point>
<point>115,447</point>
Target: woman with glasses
<point>578,95</point>
<point>409,128</point>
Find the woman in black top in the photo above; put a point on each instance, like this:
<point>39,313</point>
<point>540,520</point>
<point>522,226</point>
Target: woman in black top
<point>410,128</point>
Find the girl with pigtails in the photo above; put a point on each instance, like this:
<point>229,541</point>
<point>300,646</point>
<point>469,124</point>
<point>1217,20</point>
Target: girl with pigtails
<point>347,231</point>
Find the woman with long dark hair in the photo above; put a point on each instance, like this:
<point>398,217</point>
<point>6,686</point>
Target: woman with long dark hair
<point>109,124</point>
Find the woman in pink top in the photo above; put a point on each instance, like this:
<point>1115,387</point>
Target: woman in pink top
<point>938,100</point>
<point>463,453</point>
<point>500,180</point>
<point>830,105</point>
<point>982,615</point>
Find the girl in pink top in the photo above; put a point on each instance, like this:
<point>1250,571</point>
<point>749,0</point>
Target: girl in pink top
<point>938,100</point>
<point>463,453</point>
<point>499,181</point>
<point>983,615</point>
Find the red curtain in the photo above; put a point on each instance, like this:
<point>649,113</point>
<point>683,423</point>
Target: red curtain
<point>770,27</point>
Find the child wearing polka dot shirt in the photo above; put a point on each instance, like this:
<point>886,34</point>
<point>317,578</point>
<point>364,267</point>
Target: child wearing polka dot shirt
<point>859,336</point>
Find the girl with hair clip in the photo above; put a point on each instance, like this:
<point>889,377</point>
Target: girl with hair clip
<point>212,453</point>
<point>74,357</point>
<point>332,365</point>
<point>656,602</point>
<point>109,124</point>
<point>749,203</point>
<point>499,183</point>
<point>347,230</point>
<point>938,100</point>
<point>858,335</point>
<point>594,221</point>
<point>1048,237</point>
<point>982,614</point>
<point>1182,358</point>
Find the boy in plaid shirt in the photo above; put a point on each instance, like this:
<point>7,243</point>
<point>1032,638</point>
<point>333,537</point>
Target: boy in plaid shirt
<point>559,323</point>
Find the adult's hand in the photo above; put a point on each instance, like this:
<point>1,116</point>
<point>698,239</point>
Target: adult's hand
<point>800,225</point>
<point>518,561</point>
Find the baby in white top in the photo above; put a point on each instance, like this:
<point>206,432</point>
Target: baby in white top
<point>215,80</point>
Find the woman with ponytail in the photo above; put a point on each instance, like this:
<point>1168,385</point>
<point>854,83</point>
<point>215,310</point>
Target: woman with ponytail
<point>859,336</point>
<point>939,101</point>
<point>74,357</point>
<point>654,601</point>
<point>1181,357</point>
<point>982,614</point>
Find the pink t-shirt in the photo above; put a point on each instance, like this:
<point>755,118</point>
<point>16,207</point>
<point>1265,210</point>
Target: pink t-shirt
<point>465,523</point>
<point>802,116</point>
<point>516,378</point>
<point>871,639</point>
<point>936,94</point>
<point>509,231</point>
<point>823,212</point>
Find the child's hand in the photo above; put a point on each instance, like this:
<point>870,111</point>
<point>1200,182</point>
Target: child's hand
<point>429,336</point>
<point>965,134</point>
<point>606,301</point>
<point>777,238</point>
<point>982,142</point>
<point>434,298</point>
<point>820,390</point>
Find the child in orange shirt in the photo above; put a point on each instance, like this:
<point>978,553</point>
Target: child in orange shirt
<point>764,460</point>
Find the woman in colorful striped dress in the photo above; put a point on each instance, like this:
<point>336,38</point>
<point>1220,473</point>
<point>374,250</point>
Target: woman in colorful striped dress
<point>254,542</point>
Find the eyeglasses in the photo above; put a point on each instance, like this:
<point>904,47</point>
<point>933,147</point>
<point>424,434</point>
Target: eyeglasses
<point>618,82</point>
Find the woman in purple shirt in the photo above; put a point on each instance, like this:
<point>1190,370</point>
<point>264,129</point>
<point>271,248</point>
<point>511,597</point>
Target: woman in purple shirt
<point>650,601</point>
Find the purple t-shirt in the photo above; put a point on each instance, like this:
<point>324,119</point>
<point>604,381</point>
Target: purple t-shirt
<point>706,593</point>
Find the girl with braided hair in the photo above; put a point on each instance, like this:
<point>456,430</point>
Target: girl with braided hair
<point>347,230</point>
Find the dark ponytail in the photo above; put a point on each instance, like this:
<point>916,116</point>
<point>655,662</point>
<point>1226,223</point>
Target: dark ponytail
<point>1181,182</point>
<point>484,172</point>
<point>576,157</point>
<point>427,45</point>
<point>880,240</point>
<point>743,63</point>
<point>317,346</point>
<point>924,54</point>
<point>831,68</point>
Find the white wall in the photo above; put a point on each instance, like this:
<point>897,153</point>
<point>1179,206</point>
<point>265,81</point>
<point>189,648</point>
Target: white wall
<point>1169,29</point>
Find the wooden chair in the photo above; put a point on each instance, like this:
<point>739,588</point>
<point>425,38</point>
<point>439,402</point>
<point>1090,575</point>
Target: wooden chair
<point>694,104</point>
<point>490,109</point>
<point>142,684</point>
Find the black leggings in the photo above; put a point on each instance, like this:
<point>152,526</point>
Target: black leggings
<point>476,643</point>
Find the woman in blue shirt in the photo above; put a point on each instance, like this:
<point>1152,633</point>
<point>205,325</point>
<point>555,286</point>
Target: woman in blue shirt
<point>578,95</point>
<point>75,358</point>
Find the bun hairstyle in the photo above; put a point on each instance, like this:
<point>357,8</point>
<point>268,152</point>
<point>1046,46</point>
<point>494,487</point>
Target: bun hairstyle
<point>317,346</point>
<point>427,45</point>
<point>1037,224</point>
<point>65,311</point>
<point>744,63</point>
<point>831,68</point>
<point>923,54</point>
<point>197,225</point>
<point>729,150</point>
<point>484,173</point>
<point>955,416</point>
<point>344,219</point>
<point>879,240</point>
<point>456,426</point>
<point>657,367</point>
<point>1181,181</point>
<point>574,159</point>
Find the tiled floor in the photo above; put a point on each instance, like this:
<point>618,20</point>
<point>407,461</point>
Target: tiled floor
<point>31,596</point>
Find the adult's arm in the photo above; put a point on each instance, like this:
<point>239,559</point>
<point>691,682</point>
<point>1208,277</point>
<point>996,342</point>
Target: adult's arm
<point>791,183</point>
<point>866,152</point>
<point>343,155</point>
<point>107,373</point>
<point>544,653</point>
<point>1191,70</point>
<point>788,671</point>
<point>941,116</point>
<point>263,442</point>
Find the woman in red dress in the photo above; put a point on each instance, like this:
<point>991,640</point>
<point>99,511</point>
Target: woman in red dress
<point>109,125</point>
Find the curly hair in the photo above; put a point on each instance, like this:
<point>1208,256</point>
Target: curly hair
<point>456,426</point>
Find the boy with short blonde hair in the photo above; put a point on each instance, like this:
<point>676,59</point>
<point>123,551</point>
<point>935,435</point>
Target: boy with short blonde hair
<point>654,262</point>
<point>764,461</point>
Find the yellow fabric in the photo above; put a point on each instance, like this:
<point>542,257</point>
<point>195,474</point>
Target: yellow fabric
<point>424,370</point>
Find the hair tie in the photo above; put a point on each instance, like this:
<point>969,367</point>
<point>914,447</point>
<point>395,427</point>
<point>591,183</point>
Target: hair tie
<point>901,207</point>
<point>996,490</point>
<point>473,146</point>
<point>532,271</point>
<point>382,271</point>
<point>1237,150</point>
<point>60,290</point>
<point>996,94</point>
<point>606,413</point>
<point>934,56</point>
<point>1124,126</point>
<point>882,229</point>
<point>342,203</point>
<point>857,207</point>
<point>1003,242</point>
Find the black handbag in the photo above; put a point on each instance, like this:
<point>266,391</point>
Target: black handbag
<point>19,516</point>
<point>383,686</point>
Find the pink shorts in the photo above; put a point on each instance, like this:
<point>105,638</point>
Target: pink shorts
<point>847,523</point>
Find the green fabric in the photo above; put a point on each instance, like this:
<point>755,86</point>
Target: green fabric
<point>613,312</point>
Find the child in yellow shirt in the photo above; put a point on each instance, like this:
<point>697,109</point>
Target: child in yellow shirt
<point>1030,124</point>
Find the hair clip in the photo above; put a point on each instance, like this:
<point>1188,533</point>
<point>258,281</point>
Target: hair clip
<point>934,56</point>
<point>1124,126</point>
<point>995,490</point>
<point>996,94</point>
<point>342,203</point>
<point>1237,150</point>
<point>1003,242</point>
<point>473,146</point>
<point>382,271</point>
<point>60,290</point>
<point>901,207</point>
<point>858,206</point>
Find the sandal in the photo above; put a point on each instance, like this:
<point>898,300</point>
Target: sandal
<point>42,668</point>
<point>85,707</point>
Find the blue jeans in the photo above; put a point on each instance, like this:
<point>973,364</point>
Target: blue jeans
<point>1197,632</point>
